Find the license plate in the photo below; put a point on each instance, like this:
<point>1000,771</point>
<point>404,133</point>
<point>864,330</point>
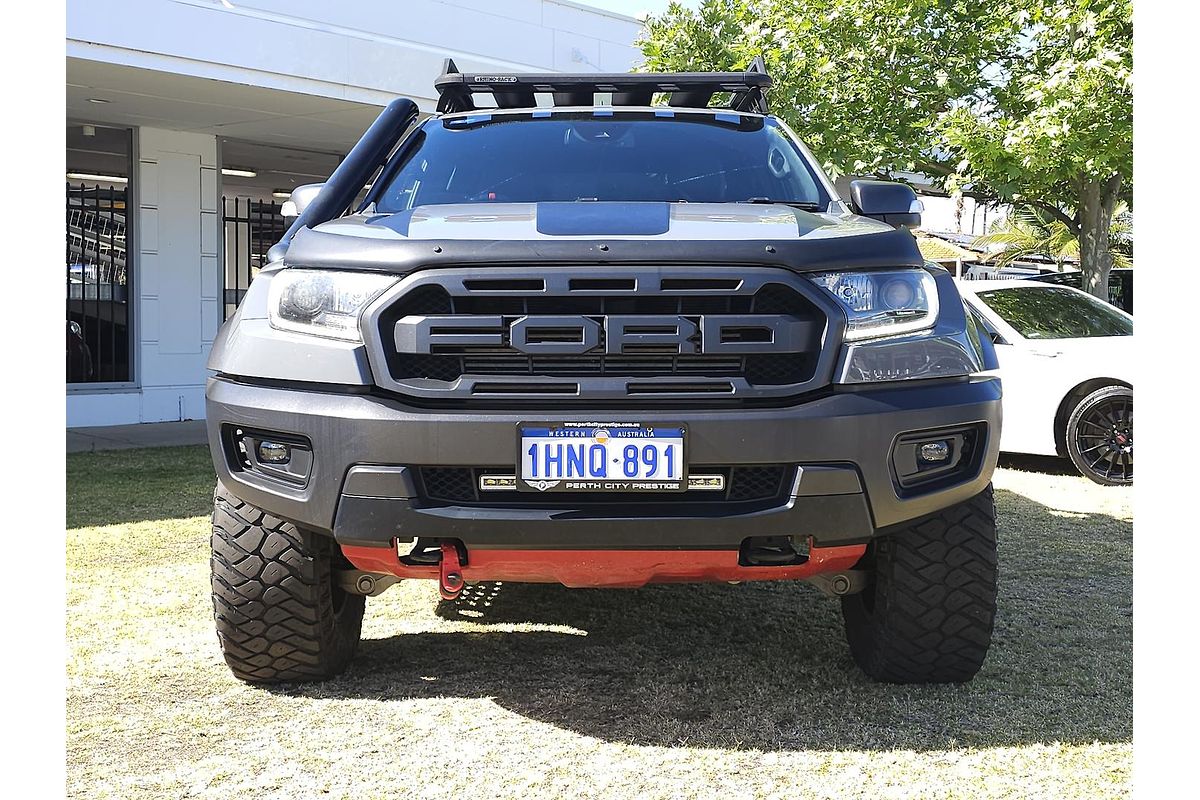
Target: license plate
<point>595,457</point>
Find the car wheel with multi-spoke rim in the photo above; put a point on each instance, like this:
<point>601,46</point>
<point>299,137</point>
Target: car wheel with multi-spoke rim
<point>1099,436</point>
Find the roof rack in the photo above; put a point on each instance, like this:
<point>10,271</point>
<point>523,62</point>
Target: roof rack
<point>687,89</point>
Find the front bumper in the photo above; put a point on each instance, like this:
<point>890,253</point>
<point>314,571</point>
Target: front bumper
<point>358,489</point>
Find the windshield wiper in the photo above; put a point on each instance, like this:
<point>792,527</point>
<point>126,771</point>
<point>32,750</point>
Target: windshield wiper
<point>804,205</point>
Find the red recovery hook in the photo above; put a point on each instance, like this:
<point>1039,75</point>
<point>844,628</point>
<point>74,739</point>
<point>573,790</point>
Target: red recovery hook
<point>450,582</point>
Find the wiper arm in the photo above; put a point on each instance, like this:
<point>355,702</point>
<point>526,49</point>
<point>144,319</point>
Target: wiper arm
<point>805,205</point>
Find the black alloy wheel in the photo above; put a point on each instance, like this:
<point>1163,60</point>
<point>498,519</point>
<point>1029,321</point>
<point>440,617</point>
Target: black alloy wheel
<point>1100,436</point>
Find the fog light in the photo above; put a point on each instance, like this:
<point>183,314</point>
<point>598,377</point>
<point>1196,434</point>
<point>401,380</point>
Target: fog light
<point>274,453</point>
<point>932,459</point>
<point>935,452</point>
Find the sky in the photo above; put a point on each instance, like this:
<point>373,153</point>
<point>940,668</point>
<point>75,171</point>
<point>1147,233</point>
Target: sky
<point>636,8</point>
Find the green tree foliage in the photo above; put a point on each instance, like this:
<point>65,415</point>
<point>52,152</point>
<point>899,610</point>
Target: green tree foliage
<point>1026,102</point>
<point>1024,235</point>
<point>861,81</point>
<point>1028,233</point>
<point>1056,133</point>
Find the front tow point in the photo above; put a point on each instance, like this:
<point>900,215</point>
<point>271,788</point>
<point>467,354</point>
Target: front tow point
<point>450,583</point>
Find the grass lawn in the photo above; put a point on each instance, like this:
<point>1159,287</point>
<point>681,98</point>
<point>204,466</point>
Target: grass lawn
<point>539,691</point>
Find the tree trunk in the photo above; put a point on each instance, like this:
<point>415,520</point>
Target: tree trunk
<point>1097,199</point>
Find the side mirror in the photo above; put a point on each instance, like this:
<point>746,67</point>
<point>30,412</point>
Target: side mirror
<point>300,199</point>
<point>893,203</point>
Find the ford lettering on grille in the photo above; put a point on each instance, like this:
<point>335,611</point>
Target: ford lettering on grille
<point>709,334</point>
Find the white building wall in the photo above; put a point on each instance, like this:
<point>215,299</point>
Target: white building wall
<point>177,282</point>
<point>363,51</point>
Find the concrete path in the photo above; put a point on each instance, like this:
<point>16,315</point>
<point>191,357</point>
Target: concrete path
<point>126,437</point>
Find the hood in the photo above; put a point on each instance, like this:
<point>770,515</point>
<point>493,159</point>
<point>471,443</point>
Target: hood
<point>611,220</point>
<point>601,233</point>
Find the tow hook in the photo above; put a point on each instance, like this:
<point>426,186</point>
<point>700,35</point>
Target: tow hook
<point>450,583</point>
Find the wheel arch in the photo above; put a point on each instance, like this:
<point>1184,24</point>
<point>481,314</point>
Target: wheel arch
<point>1070,399</point>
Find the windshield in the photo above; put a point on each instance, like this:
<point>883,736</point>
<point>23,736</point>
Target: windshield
<point>654,156</point>
<point>1053,312</point>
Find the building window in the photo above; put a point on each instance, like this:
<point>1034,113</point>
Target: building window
<point>99,166</point>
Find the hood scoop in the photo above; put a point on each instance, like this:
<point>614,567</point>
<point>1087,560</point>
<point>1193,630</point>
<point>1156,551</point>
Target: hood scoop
<point>603,219</point>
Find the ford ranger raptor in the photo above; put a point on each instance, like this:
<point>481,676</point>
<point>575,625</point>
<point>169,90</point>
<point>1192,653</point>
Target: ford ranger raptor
<point>603,331</point>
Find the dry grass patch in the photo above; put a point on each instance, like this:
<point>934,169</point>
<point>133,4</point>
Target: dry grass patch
<point>538,691</point>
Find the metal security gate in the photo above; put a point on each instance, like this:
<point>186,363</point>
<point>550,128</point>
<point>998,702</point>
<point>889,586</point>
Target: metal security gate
<point>97,285</point>
<point>251,228</point>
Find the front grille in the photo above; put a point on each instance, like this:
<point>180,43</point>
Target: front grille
<point>455,361</point>
<point>743,483</point>
<point>667,334</point>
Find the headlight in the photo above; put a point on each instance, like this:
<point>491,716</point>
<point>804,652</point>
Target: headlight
<point>323,302</point>
<point>884,303</point>
<point>906,358</point>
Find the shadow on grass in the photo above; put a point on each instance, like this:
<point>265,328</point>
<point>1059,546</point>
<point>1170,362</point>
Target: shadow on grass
<point>1049,465</point>
<point>766,666</point>
<point>111,487</point>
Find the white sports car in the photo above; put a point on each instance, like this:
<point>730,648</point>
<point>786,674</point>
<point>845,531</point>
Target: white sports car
<point>1066,360</point>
